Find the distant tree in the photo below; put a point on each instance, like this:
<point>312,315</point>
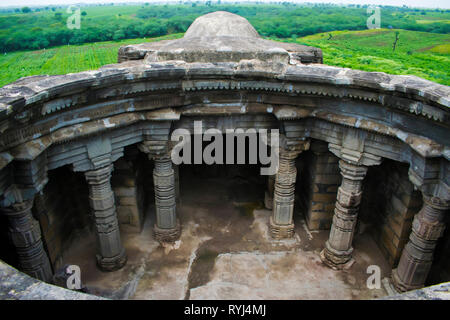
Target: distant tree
<point>119,34</point>
<point>26,10</point>
<point>84,13</point>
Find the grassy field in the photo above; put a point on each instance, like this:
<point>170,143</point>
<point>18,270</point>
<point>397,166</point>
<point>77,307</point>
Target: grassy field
<point>423,54</point>
<point>64,59</point>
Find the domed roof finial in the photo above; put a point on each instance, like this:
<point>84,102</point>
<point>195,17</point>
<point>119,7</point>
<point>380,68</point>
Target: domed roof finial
<point>219,24</point>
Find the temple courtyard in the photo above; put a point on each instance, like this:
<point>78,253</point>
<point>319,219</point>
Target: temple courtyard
<point>225,252</point>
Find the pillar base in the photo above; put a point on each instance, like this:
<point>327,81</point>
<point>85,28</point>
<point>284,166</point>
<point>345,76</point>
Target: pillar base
<point>268,201</point>
<point>279,231</point>
<point>337,260</point>
<point>112,264</point>
<point>399,285</point>
<point>167,235</point>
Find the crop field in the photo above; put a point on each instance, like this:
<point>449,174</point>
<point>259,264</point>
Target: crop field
<point>38,41</point>
<point>423,54</point>
<point>64,59</point>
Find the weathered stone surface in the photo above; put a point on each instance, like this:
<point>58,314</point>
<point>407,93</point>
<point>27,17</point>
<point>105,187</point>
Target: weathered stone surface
<point>281,223</point>
<point>221,37</point>
<point>25,235</point>
<point>226,72</point>
<point>15,285</point>
<point>338,248</point>
<point>437,292</point>
<point>417,257</point>
<point>111,255</point>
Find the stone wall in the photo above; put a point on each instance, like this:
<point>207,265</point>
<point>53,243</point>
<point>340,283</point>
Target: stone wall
<point>63,212</point>
<point>319,181</point>
<point>389,205</point>
<point>127,185</point>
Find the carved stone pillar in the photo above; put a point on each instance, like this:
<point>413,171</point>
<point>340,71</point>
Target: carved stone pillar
<point>176,170</point>
<point>25,234</point>
<point>110,252</point>
<point>417,256</point>
<point>281,222</point>
<point>268,196</point>
<point>167,228</point>
<point>338,248</point>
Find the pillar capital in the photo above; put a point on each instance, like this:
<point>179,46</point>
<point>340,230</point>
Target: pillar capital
<point>18,208</point>
<point>155,148</point>
<point>291,148</point>
<point>436,202</point>
<point>354,156</point>
<point>100,175</point>
<point>352,171</point>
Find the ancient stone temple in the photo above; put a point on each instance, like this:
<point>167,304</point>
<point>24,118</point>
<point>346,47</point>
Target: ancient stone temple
<point>88,157</point>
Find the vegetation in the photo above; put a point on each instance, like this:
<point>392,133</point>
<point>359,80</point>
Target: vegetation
<point>422,50</point>
<point>64,59</point>
<point>32,30</point>
<point>423,54</point>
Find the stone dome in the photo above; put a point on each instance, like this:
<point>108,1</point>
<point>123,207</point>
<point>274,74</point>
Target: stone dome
<point>221,23</point>
<point>221,37</point>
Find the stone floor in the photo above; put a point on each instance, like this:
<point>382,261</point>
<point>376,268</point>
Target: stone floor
<point>225,253</point>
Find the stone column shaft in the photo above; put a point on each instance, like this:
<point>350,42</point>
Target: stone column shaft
<point>25,234</point>
<point>110,252</point>
<point>281,222</point>
<point>338,248</point>
<point>176,169</point>
<point>417,256</point>
<point>167,228</point>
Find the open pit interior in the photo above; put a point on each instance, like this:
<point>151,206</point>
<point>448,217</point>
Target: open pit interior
<point>87,177</point>
<point>225,250</point>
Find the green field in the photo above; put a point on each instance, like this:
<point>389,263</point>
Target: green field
<point>64,59</point>
<point>422,54</point>
<point>38,41</point>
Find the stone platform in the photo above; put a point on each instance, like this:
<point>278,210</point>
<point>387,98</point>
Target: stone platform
<point>225,252</point>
